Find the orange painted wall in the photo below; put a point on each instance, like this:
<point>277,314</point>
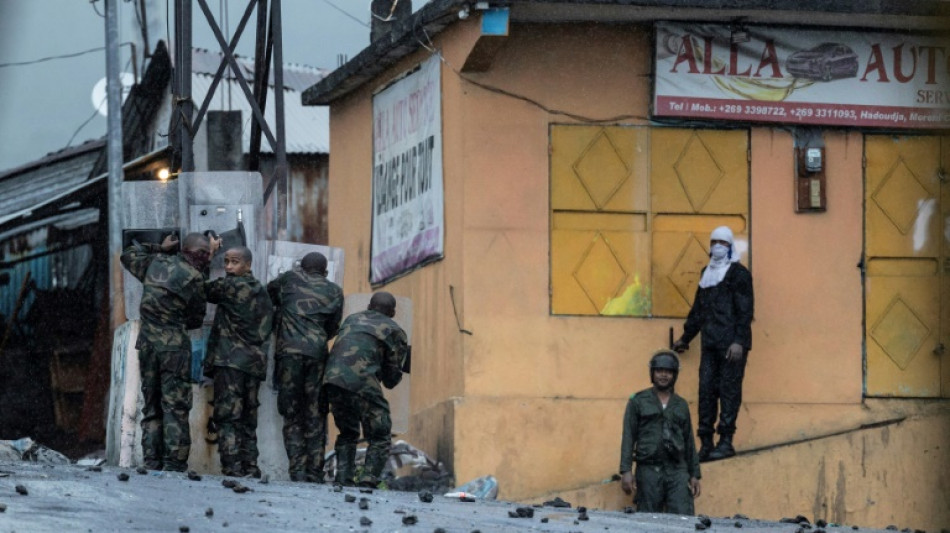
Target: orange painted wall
<point>536,399</point>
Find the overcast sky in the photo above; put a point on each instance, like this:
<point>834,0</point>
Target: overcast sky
<point>44,104</point>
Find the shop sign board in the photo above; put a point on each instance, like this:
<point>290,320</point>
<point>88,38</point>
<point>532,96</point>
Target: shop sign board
<point>408,201</point>
<point>799,76</point>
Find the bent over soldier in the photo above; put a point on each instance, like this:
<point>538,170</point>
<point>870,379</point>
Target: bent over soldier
<point>237,360</point>
<point>369,349</point>
<point>308,311</point>
<point>658,435</point>
<point>173,301</point>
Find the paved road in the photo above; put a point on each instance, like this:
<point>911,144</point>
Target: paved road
<point>75,499</point>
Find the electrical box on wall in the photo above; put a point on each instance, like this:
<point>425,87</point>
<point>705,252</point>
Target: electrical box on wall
<point>810,179</point>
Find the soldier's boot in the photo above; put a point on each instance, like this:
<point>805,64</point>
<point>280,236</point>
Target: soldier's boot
<point>251,470</point>
<point>723,450</point>
<point>345,466</point>
<point>315,473</point>
<point>231,466</point>
<point>174,466</point>
<point>705,448</point>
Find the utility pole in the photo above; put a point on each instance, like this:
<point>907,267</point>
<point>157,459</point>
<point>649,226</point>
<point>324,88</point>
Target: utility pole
<point>114,151</point>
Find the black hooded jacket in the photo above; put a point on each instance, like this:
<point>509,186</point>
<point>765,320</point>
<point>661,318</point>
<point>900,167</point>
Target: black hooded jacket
<point>723,313</point>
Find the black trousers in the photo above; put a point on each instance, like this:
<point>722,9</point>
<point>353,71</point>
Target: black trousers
<point>720,391</point>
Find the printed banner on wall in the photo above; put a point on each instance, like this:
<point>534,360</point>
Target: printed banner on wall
<point>407,174</point>
<point>843,78</point>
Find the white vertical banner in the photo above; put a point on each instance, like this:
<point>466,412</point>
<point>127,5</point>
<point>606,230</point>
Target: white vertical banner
<point>408,200</point>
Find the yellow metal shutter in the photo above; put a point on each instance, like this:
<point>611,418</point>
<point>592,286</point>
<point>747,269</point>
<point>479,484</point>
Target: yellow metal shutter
<point>599,202</point>
<point>699,180</point>
<point>904,247</point>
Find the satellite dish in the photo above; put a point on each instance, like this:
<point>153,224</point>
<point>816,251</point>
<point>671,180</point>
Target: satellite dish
<point>99,92</point>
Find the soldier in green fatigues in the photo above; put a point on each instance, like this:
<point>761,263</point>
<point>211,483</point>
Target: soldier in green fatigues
<point>308,310</point>
<point>369,349</point>
<point>658,435</point>
<point>237,360</point>
<point>173,301</point>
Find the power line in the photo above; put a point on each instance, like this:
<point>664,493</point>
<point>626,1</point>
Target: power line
<point>94,113</point>
<point>96,9</point>
<point>62,56</point>
<point>341,10</point>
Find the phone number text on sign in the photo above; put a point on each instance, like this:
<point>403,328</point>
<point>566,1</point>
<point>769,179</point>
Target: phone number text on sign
<point>797,112</point>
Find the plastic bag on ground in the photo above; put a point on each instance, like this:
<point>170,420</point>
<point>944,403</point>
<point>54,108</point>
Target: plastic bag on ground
<point>483,488</point>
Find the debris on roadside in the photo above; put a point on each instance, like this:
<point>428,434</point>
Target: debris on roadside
<point>20,489</point>
<point>122,476</point>
<point>425,496</point>
<point>365,522</point>
<point>194,476</point>
<point>27,449</point>
<point>522,512</point>
<point>558,502</point>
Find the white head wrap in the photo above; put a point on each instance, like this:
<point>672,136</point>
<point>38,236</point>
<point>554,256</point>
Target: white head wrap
<point>717,268</point>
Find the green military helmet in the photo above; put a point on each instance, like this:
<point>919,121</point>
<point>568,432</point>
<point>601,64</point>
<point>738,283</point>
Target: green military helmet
<point>665,359</point>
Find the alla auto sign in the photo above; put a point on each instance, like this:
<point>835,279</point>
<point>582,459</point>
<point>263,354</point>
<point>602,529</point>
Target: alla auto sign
<point>784,75</point>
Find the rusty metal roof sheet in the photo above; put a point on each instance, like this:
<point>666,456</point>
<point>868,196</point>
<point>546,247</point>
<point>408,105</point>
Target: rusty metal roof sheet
<point>30,184</point>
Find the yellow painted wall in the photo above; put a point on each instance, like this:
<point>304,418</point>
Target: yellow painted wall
<point>536,399</point>
<point>891,473</point>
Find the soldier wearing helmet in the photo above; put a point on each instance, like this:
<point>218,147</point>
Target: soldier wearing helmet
<point>657,435</point>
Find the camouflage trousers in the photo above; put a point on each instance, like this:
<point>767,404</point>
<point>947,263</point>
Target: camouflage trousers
<point>166,390</point>
<point>663,489</point>
<point>352,411</point>
<point>301,400</point>
<point>235,414</point>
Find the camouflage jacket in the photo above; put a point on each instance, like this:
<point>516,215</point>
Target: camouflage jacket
<point>173,297</point>
<point>369,349</point>
<point>242,323</point>
<point>653,435</point>
<point>307,314</point>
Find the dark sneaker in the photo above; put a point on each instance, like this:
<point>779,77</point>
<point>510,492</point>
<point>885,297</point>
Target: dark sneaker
<point>723,450</point>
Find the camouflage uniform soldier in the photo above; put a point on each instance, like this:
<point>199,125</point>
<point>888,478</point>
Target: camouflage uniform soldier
<point>658,434</point>
<point>370,348</point>
<point>173,301</point>
<point>309,308</point>
<point>237,360</point>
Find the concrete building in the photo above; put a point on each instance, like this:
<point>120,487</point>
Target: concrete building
<point>541,177</point>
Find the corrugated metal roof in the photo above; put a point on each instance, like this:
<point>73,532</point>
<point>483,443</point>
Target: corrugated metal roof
<point>296,77</point>
<point>31,184</point>
<point>307,129</point>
